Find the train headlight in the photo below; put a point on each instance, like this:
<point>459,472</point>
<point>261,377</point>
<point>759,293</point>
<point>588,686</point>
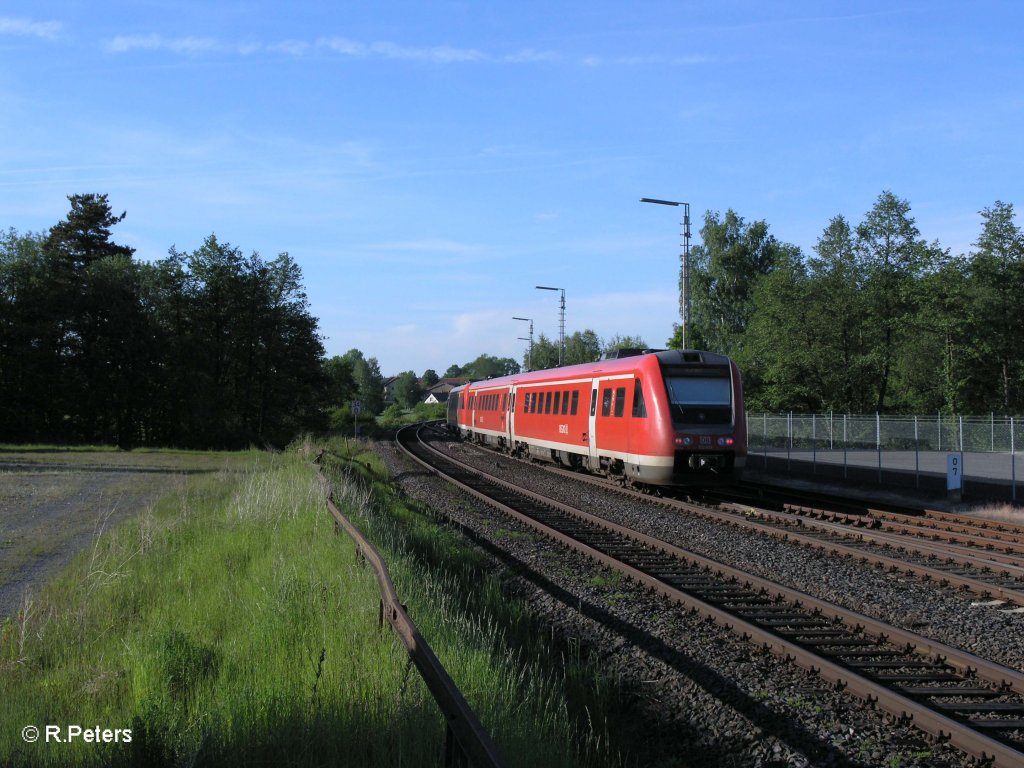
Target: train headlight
<point>725,441</point>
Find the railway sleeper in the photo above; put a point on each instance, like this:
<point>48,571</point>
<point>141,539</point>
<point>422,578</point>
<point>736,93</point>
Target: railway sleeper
<point>940,691</point>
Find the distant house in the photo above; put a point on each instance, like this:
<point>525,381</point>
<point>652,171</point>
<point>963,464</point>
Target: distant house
<point>389,389</point>
<point>439,392</point>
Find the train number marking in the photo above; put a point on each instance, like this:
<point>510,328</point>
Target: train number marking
<point>563,429</point>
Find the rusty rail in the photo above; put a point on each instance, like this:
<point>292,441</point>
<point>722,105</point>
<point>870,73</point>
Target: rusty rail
<point>465,737</point>
<point>924,717</point>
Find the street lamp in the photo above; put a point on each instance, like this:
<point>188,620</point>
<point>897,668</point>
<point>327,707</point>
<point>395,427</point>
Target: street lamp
<point>529,351</point>
<point>561,322</point>
<point>685,258</point>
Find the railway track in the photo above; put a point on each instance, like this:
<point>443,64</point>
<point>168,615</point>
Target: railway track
<point>975,704</point>
<point>941,548</point>
<point>968,531</point>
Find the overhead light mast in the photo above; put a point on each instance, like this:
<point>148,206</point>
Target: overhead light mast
<point>529,351</point>
<point>684,300</point>
<point>561,322</point>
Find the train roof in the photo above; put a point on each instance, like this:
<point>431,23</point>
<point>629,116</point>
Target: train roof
<point>621,364</point>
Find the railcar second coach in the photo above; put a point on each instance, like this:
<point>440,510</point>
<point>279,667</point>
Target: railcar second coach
<point>651,418</point>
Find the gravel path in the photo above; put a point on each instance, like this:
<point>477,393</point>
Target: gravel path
<point>50,513</point>
<point>696,695</point>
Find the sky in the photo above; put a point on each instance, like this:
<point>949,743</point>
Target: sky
<point>427,164</point>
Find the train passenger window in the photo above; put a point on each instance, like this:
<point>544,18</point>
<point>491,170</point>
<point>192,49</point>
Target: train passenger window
<point>620,401</point>
<point>558,401</point>
<point>504,401</point>
<point>606,402</point>
<point>565,402</point>
<point>575,401</point>
<point>639,406</point>
<point>526,402</point>
<point>547,402</point>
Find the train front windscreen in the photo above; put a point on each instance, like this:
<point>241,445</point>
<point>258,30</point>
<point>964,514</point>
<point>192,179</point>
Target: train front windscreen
<point>700,396</point>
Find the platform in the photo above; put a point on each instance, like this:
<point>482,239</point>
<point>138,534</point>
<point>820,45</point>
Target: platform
<point>986,476</point>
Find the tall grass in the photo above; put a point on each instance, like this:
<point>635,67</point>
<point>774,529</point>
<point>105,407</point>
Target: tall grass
<point>545,703</point>
<point>226,625</point>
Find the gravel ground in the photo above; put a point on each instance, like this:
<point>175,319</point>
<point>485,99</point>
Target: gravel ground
<point>938,613</point>
<point>695,694</point>
<point>52,506</point>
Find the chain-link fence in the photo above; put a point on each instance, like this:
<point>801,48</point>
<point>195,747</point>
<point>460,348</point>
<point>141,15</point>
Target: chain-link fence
<point>991,447</point>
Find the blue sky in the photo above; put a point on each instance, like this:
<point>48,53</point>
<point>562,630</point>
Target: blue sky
<point>428,164</point>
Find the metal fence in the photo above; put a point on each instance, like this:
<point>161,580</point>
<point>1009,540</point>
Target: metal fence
<point>986,434</point>
<point>990,447</point>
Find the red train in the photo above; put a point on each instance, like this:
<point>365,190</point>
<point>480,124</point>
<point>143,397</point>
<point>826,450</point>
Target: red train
<point>649,418</point>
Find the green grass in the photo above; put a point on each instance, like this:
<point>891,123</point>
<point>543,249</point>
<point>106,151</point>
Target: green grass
<point>544,702</point>
<point>139,458</point>
<point>228,624</point>
<point>225,625</point>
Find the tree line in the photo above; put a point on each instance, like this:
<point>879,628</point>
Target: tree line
<point>877,319</point>
<point>209,348</point>
<point>213,348</point>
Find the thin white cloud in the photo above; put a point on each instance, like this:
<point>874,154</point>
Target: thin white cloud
<point>664,61</point>
<point>28,28</point>
<point>529,55</point>
<point>154,42</point>
<point>294,48</point>
<point>342,46</point>
<point>387,50</point>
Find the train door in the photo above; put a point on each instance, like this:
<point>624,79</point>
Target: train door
<point>512,418</point>
<point>505,400</point>
<point>592,426</point>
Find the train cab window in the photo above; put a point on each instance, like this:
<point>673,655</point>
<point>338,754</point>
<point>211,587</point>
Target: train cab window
<point>700,397</point>
<point>606,402</point>
<point>547,402</point>
<point>620,401</point>
<point>558,401</point>
<point>575,402</point>
<point>639,406</point>
<point>593,402</point>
